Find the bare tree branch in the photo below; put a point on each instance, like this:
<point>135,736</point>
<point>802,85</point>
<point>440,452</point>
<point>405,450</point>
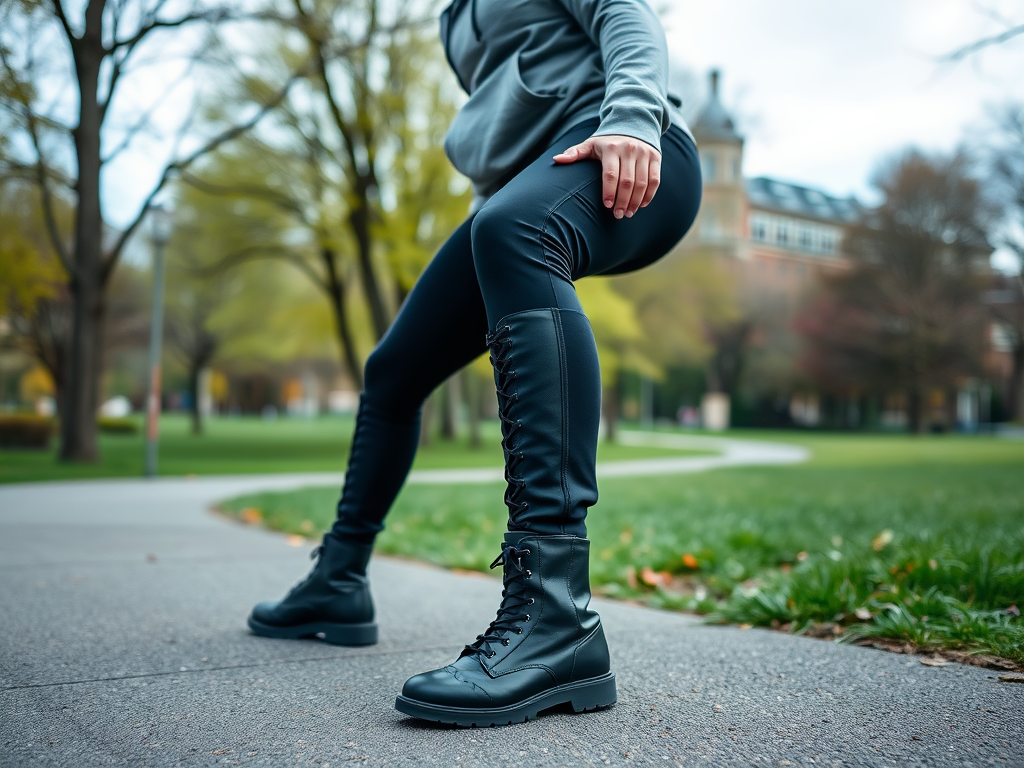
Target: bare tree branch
<point>213,15</point>
<point>58,11</point>
<point>248,190</point>
<point>40,170</point>
<point>262,251</point>
<point>180,165</point>
<point>962,53</point>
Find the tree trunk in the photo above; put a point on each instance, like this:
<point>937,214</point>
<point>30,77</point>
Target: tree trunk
<point>336,294</point>
<point>472,392</point>
<point>194,371</point>
<point>1015,399</point>
<point>78,420</point>
<point>360,221</point>
<point>610,397</point>
<point>427,421</point>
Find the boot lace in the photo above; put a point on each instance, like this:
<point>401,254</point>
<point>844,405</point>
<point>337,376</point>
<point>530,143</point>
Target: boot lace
<point>314,555</point>
<point>513,601</point>
<point>500,344</point>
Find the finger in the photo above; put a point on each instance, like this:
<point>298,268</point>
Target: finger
<point>609,177</point>
<point>653,180</point>
<point>627,180</point>
<point>578,152</point>
<point>640,185</point>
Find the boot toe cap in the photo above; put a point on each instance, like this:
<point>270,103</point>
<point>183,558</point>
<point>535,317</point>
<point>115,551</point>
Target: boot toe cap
<point>448,687</point>
<point>265,612</point>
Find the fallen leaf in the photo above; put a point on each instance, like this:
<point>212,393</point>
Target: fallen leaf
<point>690,561</point>
<point>882,540</point>
<point>295,541</point>
<point>1011,677</point>
<point>150,558</point>
<point>717,707</point>
<point>934,662</point>
<point>933,565</point>
<point>863,614</point>
<point>250,515</point>
<point>626,536</point>
<point>649,577</point>
<point>1013,610</point>
<point>801,556</point>
<point>746,626</point>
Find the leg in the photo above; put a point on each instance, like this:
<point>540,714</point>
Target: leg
<point>440,328</point>
<point>544,229</point>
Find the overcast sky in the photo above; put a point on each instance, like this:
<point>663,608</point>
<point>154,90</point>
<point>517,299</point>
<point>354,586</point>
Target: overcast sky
<point>824,88</point>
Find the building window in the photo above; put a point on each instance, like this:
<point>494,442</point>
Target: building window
<point>782,233</point>
<point>828,243</point>
<point>806,238</point>
<point>708,163</point>
<point>759,229</point>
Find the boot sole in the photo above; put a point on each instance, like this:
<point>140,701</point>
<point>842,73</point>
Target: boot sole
<point>335,634</point>
<point>584,696</point>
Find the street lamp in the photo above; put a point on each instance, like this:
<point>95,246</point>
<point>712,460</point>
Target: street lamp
<point>162,225</point>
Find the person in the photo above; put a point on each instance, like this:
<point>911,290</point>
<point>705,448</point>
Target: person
<point>581,165</point>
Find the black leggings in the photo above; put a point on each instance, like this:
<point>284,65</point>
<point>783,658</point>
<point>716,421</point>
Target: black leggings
<point>522,250</point>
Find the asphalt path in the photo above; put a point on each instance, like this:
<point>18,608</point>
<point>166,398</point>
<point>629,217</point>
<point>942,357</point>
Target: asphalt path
<point>123,643</point>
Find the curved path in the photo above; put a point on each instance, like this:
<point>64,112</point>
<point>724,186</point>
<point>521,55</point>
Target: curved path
<point>123,643</point>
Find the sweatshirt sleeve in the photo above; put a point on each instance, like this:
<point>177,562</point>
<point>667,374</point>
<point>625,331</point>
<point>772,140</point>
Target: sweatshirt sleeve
<point>635,54</point>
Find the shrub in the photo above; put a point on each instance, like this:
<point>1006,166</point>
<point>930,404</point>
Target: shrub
<point>117,425</point>
<point>25,431</point>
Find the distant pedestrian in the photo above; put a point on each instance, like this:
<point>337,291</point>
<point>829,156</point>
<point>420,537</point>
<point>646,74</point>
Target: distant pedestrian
<point>568,134</point>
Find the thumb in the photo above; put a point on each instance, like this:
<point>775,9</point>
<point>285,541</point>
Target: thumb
<point>578,152</point>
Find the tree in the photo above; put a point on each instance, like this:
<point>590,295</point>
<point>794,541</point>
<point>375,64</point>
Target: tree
<point>64,155</point>
<point>335,213</point>
<point>1005,156</point>
<point>907,316</point>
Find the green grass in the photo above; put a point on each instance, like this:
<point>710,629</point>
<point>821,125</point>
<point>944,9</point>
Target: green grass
<point>251,445</point>
<point>918,539</point>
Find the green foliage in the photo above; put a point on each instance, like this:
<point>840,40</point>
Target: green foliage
<point>110,425</point>
<point>24,430</point>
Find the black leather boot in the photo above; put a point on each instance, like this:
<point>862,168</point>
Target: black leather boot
<point>546,646</point>
<point>333,601</point>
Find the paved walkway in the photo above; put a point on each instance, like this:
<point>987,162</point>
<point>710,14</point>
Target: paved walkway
<point>123,643</point>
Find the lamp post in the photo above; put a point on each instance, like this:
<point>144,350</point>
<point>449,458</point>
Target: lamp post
<point>161,223</point>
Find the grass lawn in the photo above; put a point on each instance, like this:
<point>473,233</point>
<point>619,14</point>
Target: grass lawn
<point>916,539</point>
<point>250,445</point>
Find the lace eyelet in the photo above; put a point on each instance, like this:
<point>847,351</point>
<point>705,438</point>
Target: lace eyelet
<point>525,551</point>
<point>505,641</point>
<point>519,630</point>
<point>531,601</point>
<point>527,617</point>
<point>529,573</point>
<point>492,654</point>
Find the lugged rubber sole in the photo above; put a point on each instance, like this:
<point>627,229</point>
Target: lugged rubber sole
<point>583,696</point>
<point>335,634</point>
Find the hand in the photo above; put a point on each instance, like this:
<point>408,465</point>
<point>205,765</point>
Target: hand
<point>630,170</point>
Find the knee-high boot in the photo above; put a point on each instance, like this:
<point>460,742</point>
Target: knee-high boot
<point>546,646</point>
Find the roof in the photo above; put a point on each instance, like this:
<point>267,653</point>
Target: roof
<point>784,197</point>
<point>714,124</point>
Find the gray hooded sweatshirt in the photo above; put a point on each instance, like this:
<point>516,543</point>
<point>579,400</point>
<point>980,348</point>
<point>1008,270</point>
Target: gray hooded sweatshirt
<point>533,68</point>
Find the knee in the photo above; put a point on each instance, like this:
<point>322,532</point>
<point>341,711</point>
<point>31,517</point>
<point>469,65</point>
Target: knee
<point>514,240</point>
<point>384,380</point>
